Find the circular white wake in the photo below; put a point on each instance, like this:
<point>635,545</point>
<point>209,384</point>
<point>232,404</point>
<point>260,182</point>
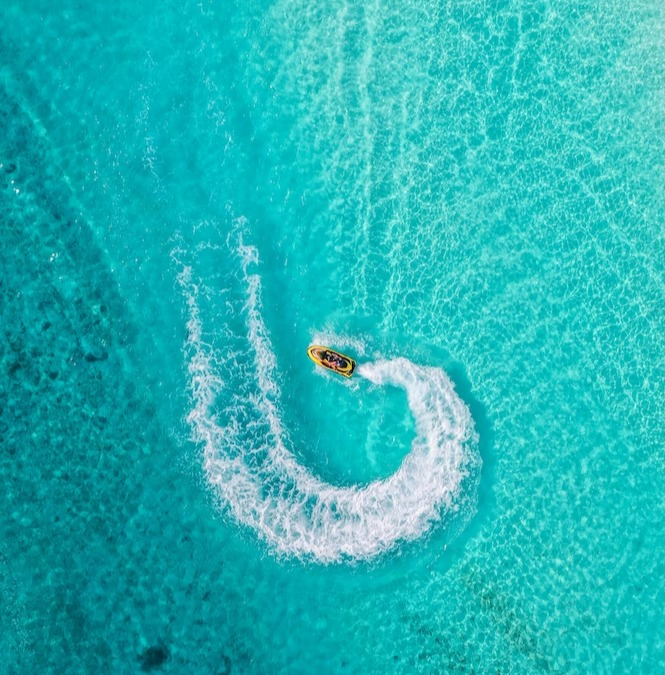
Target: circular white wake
<point>259,480</point>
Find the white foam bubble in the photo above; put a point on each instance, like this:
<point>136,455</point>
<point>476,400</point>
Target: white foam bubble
<point>261,484</point>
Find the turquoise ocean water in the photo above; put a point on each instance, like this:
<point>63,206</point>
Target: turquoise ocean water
<point>469,198</point>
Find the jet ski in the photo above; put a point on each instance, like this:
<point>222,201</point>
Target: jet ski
<point>332,360</point>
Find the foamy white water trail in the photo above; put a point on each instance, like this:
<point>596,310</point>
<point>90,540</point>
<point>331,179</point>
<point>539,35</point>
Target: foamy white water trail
<point>236,418</point>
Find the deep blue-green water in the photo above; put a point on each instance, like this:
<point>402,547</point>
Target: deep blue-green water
<point>468,197</point>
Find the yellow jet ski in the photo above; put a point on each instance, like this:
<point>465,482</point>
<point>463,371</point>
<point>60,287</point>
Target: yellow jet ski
<point>332,360</point>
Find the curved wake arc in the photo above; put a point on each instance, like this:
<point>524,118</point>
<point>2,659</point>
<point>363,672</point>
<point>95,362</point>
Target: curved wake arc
<point>261,484</point>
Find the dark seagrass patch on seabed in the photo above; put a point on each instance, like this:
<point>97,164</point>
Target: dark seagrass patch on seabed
<point>154,657</point>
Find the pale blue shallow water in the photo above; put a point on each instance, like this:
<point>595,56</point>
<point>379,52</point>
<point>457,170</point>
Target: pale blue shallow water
<point>466,196</point>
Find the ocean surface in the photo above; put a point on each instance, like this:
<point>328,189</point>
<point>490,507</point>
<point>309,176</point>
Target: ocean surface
<point>466,196</point>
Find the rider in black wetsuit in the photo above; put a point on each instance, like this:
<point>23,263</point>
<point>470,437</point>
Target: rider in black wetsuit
<point>334,360</point>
